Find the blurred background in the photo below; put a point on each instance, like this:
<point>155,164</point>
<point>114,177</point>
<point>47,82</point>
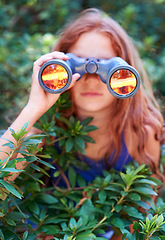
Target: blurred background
<point>29,28</point>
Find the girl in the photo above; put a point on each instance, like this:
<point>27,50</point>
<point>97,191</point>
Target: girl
<point>132,128</point>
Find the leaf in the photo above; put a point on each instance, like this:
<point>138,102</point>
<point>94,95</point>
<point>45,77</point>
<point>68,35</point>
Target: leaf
<point>131,211</point>
<point>2,235</point>
<point>128,234</point>
<point>10,188</point>
<point>69,144</point>
<point>146,181</point>
<point>135,172</point>
<point>118,207</point>
<point>145,190</point>
<point>117,222</point>
<point>89,128</point>
<point>47,198</point>
<point>11,170</point>
<point>88,138</point>
<point>72,224</point>
<point>33,206</point>
<point>143,204</point>
<point>137,226</point>
<point>45,163</point>
<point>24,127</point>
<point>10,222</point>
<point>87,235</point>
<point>72,176</point>
<point>102,196</point>
<point>49,229</point>
<point>134,196</point>
<point>79,140</point>
<point>100,238</point>
<point>86,121</point>
<point>25,235</point>
<point>31,142</point>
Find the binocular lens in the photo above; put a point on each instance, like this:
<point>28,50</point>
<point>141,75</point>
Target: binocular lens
<point>123,82</point>
<point>55,76</point>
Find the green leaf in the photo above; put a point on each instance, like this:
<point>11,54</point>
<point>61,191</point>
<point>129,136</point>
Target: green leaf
<point>145,190</point>
<point>102,196</point>
<point>137,226</point>
<point>69,144</point>
<point>47,198</point>
<point>25,235</point>
<point>118,207</point>
<point>45,163</point>
<point>11,170</point>
<point>134,196</point>
<point>33,206</point>
<point>128,234</point>
<point>142,204</point>
<point>79,140</point>
<point>72,224</point>
<point>72,176</point>
<point>145,180</point>
<point>10,222</point>
<point>162,237</point>
<point>88,138</point>
<point>86,121</point>
<point>89,128</point>
<point>10,188</point>
<point>117,222</point>
<point>133,212</point>
<point>100,238</point>
<point>2,235</point>
<point>24,127</point>
<point>87,235</point>
<point>49,229</point>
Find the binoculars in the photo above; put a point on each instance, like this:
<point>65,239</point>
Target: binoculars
<point>122,80</point>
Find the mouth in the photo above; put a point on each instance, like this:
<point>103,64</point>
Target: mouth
<point>91,93</point>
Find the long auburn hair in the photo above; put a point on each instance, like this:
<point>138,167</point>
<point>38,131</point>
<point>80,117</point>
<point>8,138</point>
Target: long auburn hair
<point>137,111</point>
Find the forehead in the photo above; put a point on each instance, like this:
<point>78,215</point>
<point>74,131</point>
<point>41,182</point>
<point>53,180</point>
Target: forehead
<point>93,44</point>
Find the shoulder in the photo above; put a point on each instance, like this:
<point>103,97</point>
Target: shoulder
<point>151,145</point>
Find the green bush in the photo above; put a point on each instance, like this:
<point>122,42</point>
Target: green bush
<point>30,206</point>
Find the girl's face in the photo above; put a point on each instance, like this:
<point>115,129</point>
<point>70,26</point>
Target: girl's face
<point>90,94</point>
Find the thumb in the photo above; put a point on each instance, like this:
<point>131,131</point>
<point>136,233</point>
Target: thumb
<point>75,77</point>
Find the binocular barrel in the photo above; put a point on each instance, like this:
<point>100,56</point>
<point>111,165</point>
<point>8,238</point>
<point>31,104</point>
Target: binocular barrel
<point>122,80</point>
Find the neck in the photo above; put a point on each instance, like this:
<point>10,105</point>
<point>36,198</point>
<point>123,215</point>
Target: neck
<point>102,135</point>
<point>101,119</point>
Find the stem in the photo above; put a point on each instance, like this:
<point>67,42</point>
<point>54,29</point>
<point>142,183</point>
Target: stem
<point>146,237</point>
<point>113,209</point>
<point>11,154</point>
<point>99,223</point>
<point>56,140</point>
<point>121,199</point>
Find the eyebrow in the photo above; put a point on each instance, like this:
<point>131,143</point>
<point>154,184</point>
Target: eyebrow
<point>105,58</point>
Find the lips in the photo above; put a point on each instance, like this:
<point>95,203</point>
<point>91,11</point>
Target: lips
<point>91,94</point>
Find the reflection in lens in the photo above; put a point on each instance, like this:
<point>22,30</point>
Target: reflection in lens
<point>123,81</point>
<point>54,76</point>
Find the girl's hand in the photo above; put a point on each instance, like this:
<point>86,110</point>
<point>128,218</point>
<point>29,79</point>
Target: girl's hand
<point>39,100</point>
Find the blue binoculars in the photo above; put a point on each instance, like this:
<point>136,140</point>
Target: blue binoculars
<point>122,80</point>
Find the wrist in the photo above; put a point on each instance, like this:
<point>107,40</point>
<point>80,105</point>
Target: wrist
<point>34,110</point>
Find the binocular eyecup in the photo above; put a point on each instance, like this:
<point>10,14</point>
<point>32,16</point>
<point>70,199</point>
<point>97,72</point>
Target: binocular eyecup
<point>122,80</point>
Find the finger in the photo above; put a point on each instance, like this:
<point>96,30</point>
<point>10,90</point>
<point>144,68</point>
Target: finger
<point>50,56</point>
<point>75,77</point>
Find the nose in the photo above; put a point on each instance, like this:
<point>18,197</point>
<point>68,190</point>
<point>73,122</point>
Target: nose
<point>90,77</point>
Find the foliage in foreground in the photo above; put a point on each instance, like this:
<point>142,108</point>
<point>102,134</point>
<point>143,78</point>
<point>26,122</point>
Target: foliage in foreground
<point>29,28</point>
<point>30,208</point>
